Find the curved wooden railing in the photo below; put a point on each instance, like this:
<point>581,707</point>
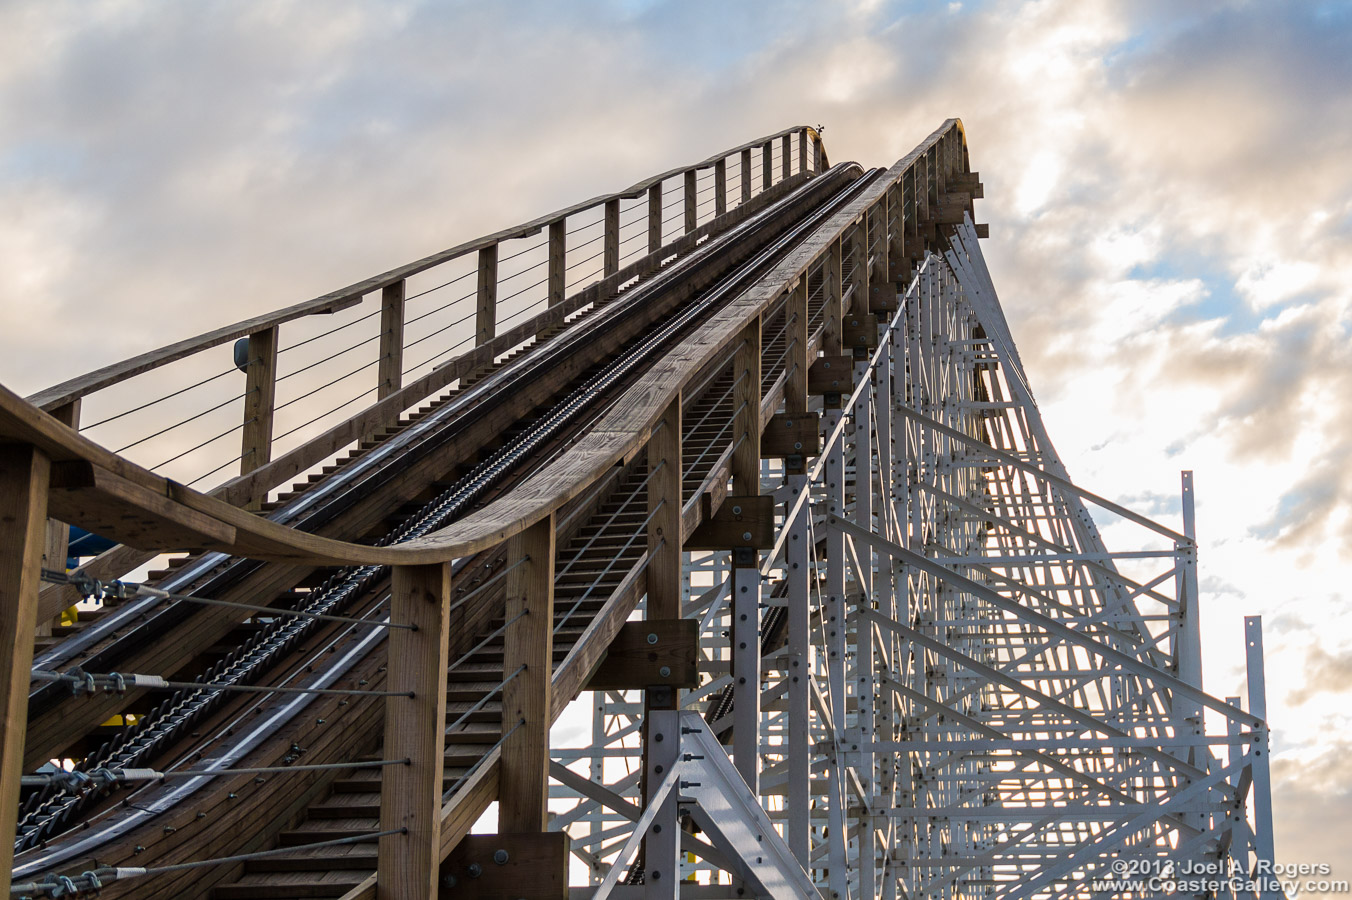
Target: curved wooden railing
<point>888,227</point>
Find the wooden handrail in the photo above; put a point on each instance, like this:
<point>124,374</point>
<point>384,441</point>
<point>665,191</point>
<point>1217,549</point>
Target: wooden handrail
<point>81,386</point>
<point>618,436</point>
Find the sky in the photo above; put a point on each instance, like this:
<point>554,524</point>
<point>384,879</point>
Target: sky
<point>1168,187</point>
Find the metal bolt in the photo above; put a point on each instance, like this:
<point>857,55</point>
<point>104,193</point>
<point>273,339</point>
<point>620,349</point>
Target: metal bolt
<point>500,857</point>
<point>474,870</point>
<point>665,671</point>
<point>652,638</point>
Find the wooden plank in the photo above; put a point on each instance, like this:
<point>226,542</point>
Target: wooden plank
<point>721,187</point>
<point>664,508</point>
<point>796,359</point>
<point>792,434</point>
<point>391,372</point>
<point>746,175</point>
<point>57,545</point>
<point>508,867</point>
<point>485,319</point>
<point>655,217</point>
<point>802,150</point>
<point>691,201</point>
<point>859,330</point>
<point>24,472</point>
<point>746,403</point>
<point>558,261</point>
<point>410,797</point>
<point>767,167</point>
<point>740,522</point>
<point>260,389</point>
<point>612,237</point>
<point>983,230</point>
<point>117,508</point>
<point>831,375</point>
<point>529,646</point>
<point>650,653</point>
<point>833,292</point>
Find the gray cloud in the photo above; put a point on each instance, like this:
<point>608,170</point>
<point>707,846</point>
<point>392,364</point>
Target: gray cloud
<point>166,167</point>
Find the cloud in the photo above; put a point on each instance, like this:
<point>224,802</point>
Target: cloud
<point>1168,186</point>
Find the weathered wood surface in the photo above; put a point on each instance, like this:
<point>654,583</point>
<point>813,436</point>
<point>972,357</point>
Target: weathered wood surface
<point>415,731</point>
<point>618,436</point>
<point>23,533</point>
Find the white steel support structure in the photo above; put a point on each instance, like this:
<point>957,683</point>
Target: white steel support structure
<point>967,694</point>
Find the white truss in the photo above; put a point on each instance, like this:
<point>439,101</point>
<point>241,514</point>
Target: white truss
<point>963,693</point>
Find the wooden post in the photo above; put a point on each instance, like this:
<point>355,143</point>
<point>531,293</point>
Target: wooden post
<point>260,388</point>
<point>529,641</point>
<point>691,207</point>
<point>24,475</point>
<point>832,286</point>
<point>485,323</point>
<point>558,260</point>
<point>818,154</point>
<point>664,506</point>
<point>785,158</point>
<point>655,218</point>
<point>746,175</point>
<point>746,401</point>
<point>611,243</point>
<point>57,545</point>
<point>796,362</point>
<point>859,272</point>
<point>802,151</point>
<point>767,166</point>
<point>720,187</point>
<point>415,729</point>
<point>391,339</point>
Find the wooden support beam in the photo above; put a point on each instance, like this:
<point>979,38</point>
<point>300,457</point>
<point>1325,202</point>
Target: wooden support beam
<point>415,729</point>
<point>859,273</point>
<point>486,319</point>
<point>720,187</point>
<point>691,207</point>
<point>831,375</point>
<point>859,331</point>
<point>57,545</point>
<point>746,403</point>
<point>818,154</point>
<point>983,230</point>
<point>391,339</point>
<point>802,150</point>
<point>558,261</point>
<point>528,646</point>
<point>792,434</point>
<point>655,218</point>
<point>507,867</point>
<point>260,390</point>
<point>650,653</point>
<point>796,361</point>
<point>746,175</point>
<point>833,287</point>
<point>740,522</point>
<point>785,157</point>
<point>664,508</point>
<point>767,168</point>
<point>882,290</point>
<point>130,513</point>
<point>612,238</point>
<point>24,472</point>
